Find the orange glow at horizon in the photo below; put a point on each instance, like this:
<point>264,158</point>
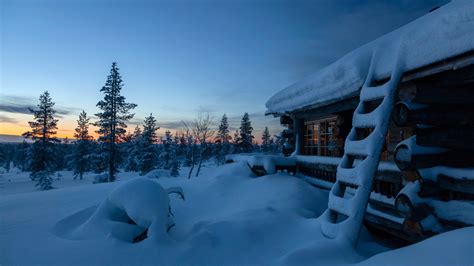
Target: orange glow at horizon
<point>66,126</point>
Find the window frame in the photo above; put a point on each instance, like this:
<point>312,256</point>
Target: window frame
<point>317,141</point>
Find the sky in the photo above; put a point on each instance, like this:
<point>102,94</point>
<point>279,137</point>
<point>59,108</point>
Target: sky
<point>177,58</point>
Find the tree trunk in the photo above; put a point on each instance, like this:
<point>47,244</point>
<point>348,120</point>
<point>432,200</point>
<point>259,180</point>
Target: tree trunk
<point>200,159</point>
<point>192,163</point>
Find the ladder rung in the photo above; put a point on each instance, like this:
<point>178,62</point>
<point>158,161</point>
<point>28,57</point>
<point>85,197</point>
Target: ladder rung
<point>348,176</point>
<point>371,119</point>
<point>339,204</point>
<point>329,228</point>
<point>373,93</point>
<point>357,147</point>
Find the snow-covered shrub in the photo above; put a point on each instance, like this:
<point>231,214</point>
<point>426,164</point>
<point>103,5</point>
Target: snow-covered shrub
<point>135,210</point>
<point>101,178</point>
<point>45,180</point>
<point>158,173</point>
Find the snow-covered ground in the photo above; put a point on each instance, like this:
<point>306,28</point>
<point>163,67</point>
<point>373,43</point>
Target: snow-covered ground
<point>229,217</point>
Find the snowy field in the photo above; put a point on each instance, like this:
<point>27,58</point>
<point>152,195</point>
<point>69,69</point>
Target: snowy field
<point>229,217</point>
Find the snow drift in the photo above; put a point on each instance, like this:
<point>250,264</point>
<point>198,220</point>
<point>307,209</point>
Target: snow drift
<point>229,218</point>
<point>140,206</point>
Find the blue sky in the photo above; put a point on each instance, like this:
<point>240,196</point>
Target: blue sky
<point>178,58</point>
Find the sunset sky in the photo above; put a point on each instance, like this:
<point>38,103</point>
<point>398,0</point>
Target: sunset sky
<point>177,58</point>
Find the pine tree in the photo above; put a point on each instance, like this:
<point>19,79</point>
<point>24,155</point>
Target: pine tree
<point>189,153</point>
<point>115,113</point>
<point>223,131</point>
<point>246,138</point>
<point>98,158</point>
<point>222,140</point>
<point>147,159</point>
<point>235,142</point>
<point>165,155</point>
<point>43,131</point>
<point>266,140</point>
<point>175,164</point>
<point>80,156</point>
<point>20,159</point>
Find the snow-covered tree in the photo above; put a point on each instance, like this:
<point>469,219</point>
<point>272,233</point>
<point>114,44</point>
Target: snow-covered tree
<point>266,138</point>
<point>80,157</point>
<point>147,153</point>
<point>235,142</point>
<point>175,163</point>
<point>115,113</point>
<point>222,140</point>
<point>132,149</point>
<point>99,155</point>
<point>190,150</point>
<point>245,142</point>
<point>43,131</point>
<point>165,155</point>
<point>20,159</point>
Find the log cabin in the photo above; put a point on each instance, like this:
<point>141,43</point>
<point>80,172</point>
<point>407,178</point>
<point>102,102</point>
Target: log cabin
<point>424,183</point>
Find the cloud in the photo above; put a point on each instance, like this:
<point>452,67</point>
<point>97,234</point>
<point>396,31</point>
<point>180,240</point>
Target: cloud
<point>22,105</point>
<point>7,119</point>
<point>174,125</point>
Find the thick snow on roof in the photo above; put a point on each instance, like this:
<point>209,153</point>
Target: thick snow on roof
<point>441,34</point>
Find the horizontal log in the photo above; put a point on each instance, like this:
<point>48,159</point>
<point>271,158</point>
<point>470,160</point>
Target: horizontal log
<point>454,184</point>
<point>406,160</point>
<point>445,115</point>
<point>446,137</point>
<point>433,93</point>
<point>448,188</point>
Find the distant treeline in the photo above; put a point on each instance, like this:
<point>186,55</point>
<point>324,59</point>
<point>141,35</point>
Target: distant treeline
<point>116,150</point>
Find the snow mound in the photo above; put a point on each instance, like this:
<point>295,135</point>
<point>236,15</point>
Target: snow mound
<point>229,218</point>
<point>441,34</point>
<point>158,173</point>
<point>451,248</point>
<point>269,162</point>
<point>139,206</point>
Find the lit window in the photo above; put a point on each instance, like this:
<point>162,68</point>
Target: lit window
<point>320,137</point>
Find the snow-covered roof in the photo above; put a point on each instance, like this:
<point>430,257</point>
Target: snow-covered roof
<point>441,34</point>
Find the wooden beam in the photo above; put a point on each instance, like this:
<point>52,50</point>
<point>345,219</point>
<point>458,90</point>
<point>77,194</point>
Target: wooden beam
<point>409,161</point>
<point>444,115</point>
<point>446,137</point>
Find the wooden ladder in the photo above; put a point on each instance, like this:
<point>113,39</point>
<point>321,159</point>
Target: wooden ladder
<point>346,208</point>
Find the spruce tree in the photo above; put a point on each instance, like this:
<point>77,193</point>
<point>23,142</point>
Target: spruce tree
<point>189,153</point>
<point>222,140</point>
<point>21,157</point>
<point>147,159</point>
<point>115,113</point>
<point>133,149</point>
<point>43,131</point>
<point>80,156</point>
<point>235,142</point>
<point>165,155</point>
<point>175,164</point>
<point>266,140</point>
<point>245,141</point>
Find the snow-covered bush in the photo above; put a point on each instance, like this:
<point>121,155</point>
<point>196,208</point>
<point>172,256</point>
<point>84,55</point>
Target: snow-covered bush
<point>158,173</point>
<point>45,179</point>
<point>135,210</point>
<point>101,178</point>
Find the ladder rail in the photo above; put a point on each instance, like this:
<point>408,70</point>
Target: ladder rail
<point>345,213</point>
